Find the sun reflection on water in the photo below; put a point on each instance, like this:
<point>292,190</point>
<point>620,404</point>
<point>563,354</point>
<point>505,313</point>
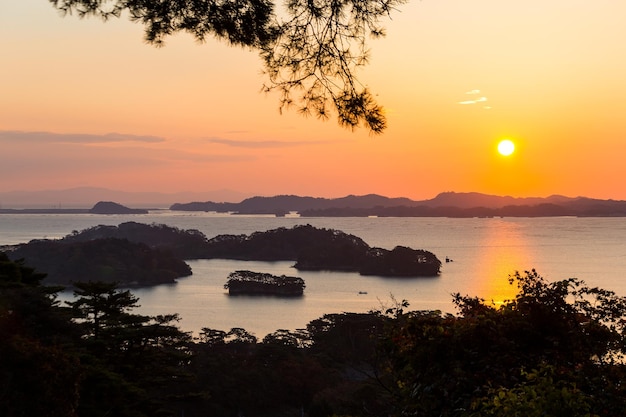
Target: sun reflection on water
<point>504,251</point>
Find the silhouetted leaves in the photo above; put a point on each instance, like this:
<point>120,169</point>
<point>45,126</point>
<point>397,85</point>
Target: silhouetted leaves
<point>311,49</point>
<point>39,371</point>
<point>248,282</point>
<point>553,341</point>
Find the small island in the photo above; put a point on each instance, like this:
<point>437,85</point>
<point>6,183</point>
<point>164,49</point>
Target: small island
<point>109,207</point>
<point>258,283</point>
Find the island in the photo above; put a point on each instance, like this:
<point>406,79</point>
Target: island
<point>311,248</point>
<point>109,207</point>
<point>319,249</point>
<point>130,264</point>
<point>446,204</point>
<point>136,254</point>
<point>259,283</point>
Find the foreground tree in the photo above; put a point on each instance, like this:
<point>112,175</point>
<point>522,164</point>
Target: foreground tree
<point>39,370</point>
<point>556,349</point>
<point>311,49</point>
<point>101,306</point>
<point>131,361</point>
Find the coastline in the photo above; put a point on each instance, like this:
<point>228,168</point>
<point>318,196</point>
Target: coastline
<point>45,211</point>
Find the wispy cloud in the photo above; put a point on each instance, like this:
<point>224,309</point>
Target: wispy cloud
<point>50,137</point>
<point>262,144</point>
<point>476,98</point>
<point>39,161</point>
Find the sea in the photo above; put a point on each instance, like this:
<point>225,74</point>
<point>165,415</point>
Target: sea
<point>482,252</point>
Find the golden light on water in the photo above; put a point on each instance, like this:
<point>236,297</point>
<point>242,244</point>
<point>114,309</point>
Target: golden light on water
<point>504,252</point>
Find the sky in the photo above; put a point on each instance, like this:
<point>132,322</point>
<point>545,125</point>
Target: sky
<point>88,103</point>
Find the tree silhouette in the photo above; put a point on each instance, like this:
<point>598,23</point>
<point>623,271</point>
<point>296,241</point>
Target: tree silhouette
<point>37,361</point>
<point>100,305</point>
<point>311,49</point>
<point>556,349</point>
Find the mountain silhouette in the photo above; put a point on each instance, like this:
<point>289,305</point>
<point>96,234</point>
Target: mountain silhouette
<point>446,204</point>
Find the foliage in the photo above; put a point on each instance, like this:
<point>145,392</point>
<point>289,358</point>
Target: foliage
<point>100,306</point>
<point>311,49</point>
<point>107,259</point>
<point>39,373</point>
<point>129,360</point>
<point>248,282</point>
<point>324,249</point>
<point>289,244</point>
<point>400,261</point>
<point>554,350</point>
<point>241,23</point>
<point>186,244</point>
<point>141,254</point>
<point>316,53</point>
<point>566,336</point>
<point>539,393</point>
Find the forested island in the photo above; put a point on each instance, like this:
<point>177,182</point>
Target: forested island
<point>136,254</point>
<point>257,283</point>
<point>555,349</point>
<point>132,264</point>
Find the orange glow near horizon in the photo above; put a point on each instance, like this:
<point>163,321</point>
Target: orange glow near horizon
<point>454,78</point>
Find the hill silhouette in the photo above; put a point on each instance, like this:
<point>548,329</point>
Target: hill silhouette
<point>109,207</point>
<point>136,254</point>
<point>447,204</point>
<point>283,204</point>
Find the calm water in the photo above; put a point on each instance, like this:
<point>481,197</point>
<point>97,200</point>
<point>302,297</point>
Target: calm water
<point>485,252</point>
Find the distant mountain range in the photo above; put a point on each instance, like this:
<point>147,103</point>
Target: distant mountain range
<point>448,204</point>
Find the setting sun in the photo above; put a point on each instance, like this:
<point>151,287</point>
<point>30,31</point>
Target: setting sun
<point>506,147</point>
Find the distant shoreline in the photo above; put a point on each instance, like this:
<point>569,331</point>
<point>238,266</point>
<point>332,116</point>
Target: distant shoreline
<point>335,215</point>
<point>448,204</point>
<point>44,211</point>
<point>60,211</point>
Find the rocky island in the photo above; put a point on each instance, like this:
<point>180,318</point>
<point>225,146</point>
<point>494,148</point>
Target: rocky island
<point>258,283</point>
<point>136,254</point>
<point>128,263</point>
<point>318,249</point>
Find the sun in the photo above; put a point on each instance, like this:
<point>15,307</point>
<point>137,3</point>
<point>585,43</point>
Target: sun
<point>506,147</point>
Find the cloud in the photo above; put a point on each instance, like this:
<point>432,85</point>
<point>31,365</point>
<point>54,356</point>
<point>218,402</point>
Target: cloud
<point>41,163</point>
<point>50,137</point>
<point>476,100</point>
<point>262,144</point>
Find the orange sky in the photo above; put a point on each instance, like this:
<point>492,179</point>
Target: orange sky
<point>86,103</point>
